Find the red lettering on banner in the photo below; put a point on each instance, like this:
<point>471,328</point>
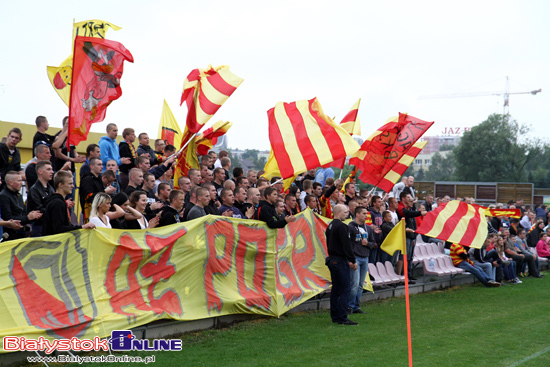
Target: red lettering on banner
<point>44,310</point>
<point>305,257</point>
<point>292,291</point>
<point>129,249</point>
<point>161,270</point>
<point>257,296</point>
<point>214,264</point>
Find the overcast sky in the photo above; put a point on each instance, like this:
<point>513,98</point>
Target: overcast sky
<point>386,53</point>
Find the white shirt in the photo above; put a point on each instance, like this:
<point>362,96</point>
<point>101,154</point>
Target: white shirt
<point>99,223</point>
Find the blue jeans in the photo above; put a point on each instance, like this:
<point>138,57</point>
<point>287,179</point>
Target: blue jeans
<point>373,257</point>
<point>339,295</point>
<point>357,281</point>
<point>477,272</point>
<point>487,268</point>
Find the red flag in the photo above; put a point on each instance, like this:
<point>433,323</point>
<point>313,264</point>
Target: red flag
<point>383,149</point>
<point>97,68</point>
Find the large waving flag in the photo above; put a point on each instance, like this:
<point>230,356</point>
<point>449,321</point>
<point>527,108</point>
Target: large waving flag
<point>60,76</point>
<point>204,91</point>
<point>456,222</point>
<point>97,68</point>
<point>169,129</point>
<point>209,137</point>
<point>385,147</point>
<point>302,137</point>
<point>395,173</point>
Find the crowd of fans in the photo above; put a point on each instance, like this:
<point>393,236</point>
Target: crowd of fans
<point>128,187</point>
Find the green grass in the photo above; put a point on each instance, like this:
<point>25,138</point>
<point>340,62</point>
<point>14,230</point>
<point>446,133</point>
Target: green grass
<point>462,326</point>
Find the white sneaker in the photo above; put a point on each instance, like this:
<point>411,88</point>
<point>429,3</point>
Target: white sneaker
<point>518,281</point>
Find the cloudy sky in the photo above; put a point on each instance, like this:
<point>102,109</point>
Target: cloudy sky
<point>386,53</point>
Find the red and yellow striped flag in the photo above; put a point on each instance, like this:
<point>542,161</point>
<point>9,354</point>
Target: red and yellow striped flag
<point>385,147</point>
<point>390,178</point>
<point>209,137</point>
<point>205,90</point>
<point>351,122</point>
<point>512,213</point>
<point>456,222</point>
<point>352,125</point>
<point>302,137</point>
<point>169,129</point>
<point>188,158</point>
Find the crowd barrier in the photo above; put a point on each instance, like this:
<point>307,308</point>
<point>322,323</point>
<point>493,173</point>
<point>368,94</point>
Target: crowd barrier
<point>87,283</point>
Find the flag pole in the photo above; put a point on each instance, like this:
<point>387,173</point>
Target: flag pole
<point>185,146</point>
<point>407,306</point>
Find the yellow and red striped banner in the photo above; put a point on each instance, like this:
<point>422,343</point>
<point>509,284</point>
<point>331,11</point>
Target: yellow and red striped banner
<point>390,178</point>
<point>352,125</point>
<point>351,122</point>
<point>456,222</point>
<point>302,137</point>
<point>204,91</point>
<point>209,137</point>
<point>512,213</point>
<point>385,147</point>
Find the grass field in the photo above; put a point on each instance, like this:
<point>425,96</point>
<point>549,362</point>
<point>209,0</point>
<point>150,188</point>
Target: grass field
<point>462,326</point>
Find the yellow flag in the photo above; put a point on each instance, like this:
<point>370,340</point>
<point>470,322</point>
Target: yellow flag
<point>395,241</point>
<point>169,129</point>
<point>60,76</point>
<point>93,28</point>
<point>271,169</point>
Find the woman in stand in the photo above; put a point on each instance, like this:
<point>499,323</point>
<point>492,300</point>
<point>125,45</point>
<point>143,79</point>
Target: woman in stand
<point>138,201</point>
<point>100,207</point>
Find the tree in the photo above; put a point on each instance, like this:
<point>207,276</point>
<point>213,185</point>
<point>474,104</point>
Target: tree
<point>495,150</point>
<point>442,168</point>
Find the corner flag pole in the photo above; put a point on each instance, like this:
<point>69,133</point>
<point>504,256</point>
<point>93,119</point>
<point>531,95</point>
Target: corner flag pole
<point>408,310</point>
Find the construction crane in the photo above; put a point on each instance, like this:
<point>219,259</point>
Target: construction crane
<point>506,94</point>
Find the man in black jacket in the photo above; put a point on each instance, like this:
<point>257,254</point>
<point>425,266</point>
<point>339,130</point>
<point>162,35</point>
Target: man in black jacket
<point>339,261</point>
<point>57,218</point>
<point>39,194</point>
<point>144,148</point>
<point>10,158</point>
<point>90,185</point>
<point>127,150</point>
<point>266,212</point>
<point>171,213</point>
<point>12,206</point>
